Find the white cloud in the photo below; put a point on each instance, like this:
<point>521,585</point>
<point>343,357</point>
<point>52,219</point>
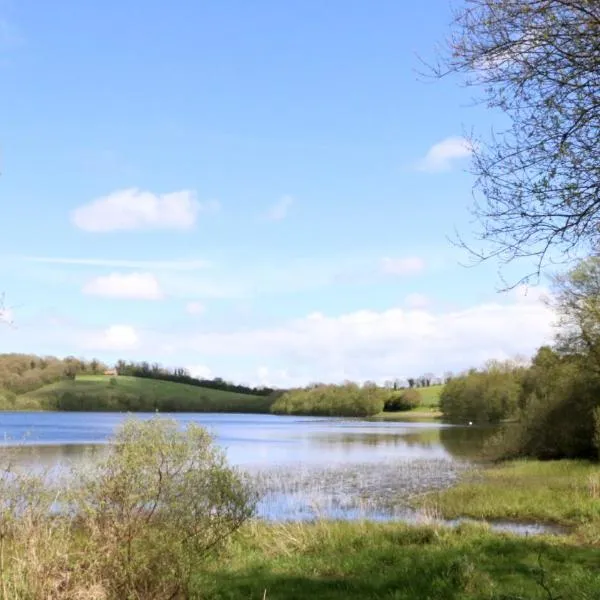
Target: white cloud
<point>155,265</point>
<point>360,345</point>
<point>195,308</point>
<point>402,266</point>
<point>443,155</point>
<point>116,338</point>
<point>199,371</point>
<point>417,300</point>
<point>376,345</point>
<point>280,209</point>
<point>132,286</point>
<point>6,315</point>
<point>136,209</point>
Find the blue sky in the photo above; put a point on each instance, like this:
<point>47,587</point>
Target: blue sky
<point>256,190</point>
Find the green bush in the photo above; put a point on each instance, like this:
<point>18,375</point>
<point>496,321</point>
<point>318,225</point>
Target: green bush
<point>597,429</point>
<point>487,396</point>
<point>347,400</point>
<point>403,400</point>
<point>136,525</point>
<point>558,418</point>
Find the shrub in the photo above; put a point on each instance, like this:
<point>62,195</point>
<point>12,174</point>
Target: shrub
<point>134,527</point>
<point>481,396</point>
<point>347,400</point>
<point>558,419</point>
<point>405,400</point>
<point>597,429</point>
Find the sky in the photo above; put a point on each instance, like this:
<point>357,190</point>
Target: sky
<point>261,191</point>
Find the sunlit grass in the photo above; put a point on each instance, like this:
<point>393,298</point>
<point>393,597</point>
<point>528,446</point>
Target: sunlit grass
<point>361,559</point>
<point>134,393</point>
<point>564,492</point>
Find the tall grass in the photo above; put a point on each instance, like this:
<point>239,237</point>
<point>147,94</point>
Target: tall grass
<point>560,492</point>
<point>134,527</point>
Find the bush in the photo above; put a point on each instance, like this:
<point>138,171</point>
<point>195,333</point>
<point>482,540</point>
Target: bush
<point>347,400</point>
<point>597,429</point>
<point>482,396</point>
<point>558,418</point>
<point>404,400</point>
<point>136,525</point>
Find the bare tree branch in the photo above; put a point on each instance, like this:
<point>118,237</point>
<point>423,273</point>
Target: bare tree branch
<point>538,181</point>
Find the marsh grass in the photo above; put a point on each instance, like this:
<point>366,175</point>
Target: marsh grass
<point>562,492</point>
<point>359,490</point>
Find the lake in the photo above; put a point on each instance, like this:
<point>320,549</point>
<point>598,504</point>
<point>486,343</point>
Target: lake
<point>305,467</point>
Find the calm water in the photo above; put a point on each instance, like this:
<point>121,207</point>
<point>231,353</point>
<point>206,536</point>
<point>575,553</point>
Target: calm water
<point>255,441</point>
<point>304,466</point>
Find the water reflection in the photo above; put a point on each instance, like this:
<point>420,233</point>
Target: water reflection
<point>467,443</point>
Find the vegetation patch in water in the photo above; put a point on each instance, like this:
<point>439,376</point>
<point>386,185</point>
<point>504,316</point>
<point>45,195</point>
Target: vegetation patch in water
<point>565,492</point>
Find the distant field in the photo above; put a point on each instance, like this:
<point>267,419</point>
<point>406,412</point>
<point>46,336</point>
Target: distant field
<point>105,393</point>
<point>431,395</point>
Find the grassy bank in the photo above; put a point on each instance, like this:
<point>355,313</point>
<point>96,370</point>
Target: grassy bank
<point>100,393</point>
<point>421,414</point>
<point>563,492</point>
<point>368,560</point>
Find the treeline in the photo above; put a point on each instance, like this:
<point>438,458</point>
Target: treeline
<point>346,400</point>
<point>179,375</point>
<point>554,402</point>
<point>22,373</point>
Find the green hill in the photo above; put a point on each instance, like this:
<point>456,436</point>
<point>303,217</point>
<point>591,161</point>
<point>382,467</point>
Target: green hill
<point>430,396</point>
<point>100,393</point>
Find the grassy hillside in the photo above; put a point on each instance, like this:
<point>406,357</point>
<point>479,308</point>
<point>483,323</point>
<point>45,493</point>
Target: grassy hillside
<point>430,395</point>
<point>100,393</point>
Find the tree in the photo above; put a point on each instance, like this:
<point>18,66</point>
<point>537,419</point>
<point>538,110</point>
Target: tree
<point>537,61</point>
<point>577,300</point>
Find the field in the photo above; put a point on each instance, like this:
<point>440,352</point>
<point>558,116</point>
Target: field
<point>430,396</point>
<point>336,560</point>
<point>137,394</point>
<point>427,411</point>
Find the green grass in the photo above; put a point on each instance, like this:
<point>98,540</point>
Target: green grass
<point>421,414</point>
<point>427,411</point>
<point>140,394</point>
<point>366,560</point>
<point>431,395</point>
<point>564,492</point>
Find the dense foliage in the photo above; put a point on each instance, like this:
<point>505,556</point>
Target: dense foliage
<point>483,396</point>
<point>178,375</point>
<point>347,400</point>
<point>555,401</point>
<point>403,400</point>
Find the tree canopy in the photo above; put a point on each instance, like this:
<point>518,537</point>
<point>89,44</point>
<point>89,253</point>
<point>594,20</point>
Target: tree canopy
<point>538,180</point>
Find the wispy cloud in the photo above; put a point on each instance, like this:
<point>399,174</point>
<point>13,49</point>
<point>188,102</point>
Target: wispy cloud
<point>195,308</point>
<point>443,155</point>
<point>116,338</point>
<point>131,286</point>
<point>280,209</point>
<point>156,265</point>
<point>402,266</point>
<point>132,209</point>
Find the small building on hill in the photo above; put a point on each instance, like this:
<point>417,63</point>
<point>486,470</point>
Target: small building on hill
<point>111,372</point>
